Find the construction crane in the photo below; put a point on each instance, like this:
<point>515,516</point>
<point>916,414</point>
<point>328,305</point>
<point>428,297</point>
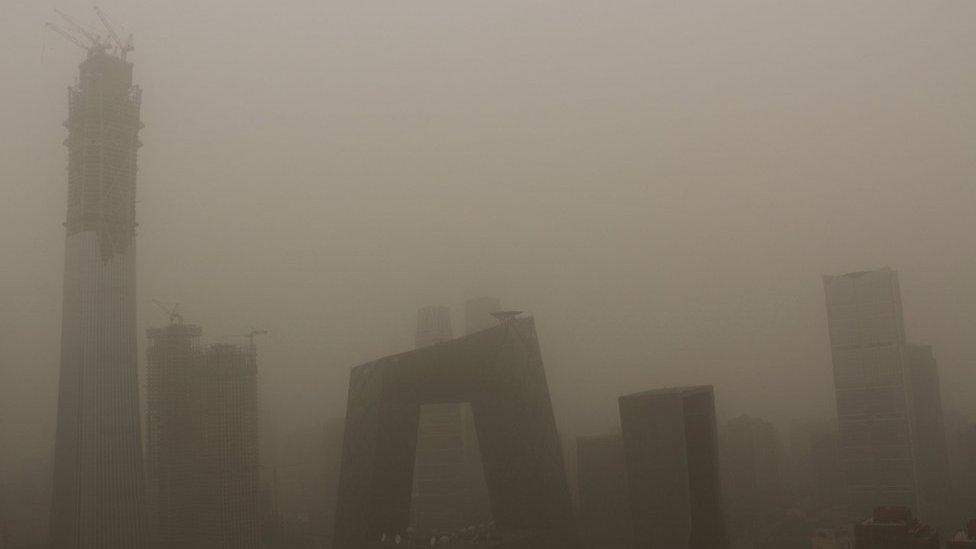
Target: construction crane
<point>250,335</point>
<point>68,36</point>
<point>95,45</point>
<point>123,48</point>
<point>95,40</point>
<point>174,312</point>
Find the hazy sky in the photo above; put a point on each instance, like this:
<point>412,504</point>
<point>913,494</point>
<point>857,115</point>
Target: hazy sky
<point>662,184</point>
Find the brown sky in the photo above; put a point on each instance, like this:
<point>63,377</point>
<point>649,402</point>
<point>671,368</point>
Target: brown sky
<point>661,183</point>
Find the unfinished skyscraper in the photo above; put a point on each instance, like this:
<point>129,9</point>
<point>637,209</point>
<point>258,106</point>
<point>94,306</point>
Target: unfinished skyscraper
<point>201,417</point>
<point>172,434</point>
<point>99,492</point>
<point>887,394</point>
<point>229,407</point>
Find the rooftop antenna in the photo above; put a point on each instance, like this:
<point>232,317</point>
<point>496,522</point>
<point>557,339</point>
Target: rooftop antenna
<point>124,48</point>
<point>173,311</point>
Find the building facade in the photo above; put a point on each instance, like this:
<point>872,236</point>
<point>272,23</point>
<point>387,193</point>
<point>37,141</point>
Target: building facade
<point>867,339</point>
<point>671,452</point>
<point>449,490</point>
<point>98,495</point>
<point>889,408</point>
<point>202,444</point>
<point>173,435</point>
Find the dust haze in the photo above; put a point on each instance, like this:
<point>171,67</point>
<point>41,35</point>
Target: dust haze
<point>660,184</point>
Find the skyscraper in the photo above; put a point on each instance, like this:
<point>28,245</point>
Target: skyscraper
<point>433,325</point>
<point>98,492</point>
<point>228,399</point>
<point>671,453</point>
<point>887,395</point>
<point>173,434</point>
<point>201,417</point>
<point>928,431</point>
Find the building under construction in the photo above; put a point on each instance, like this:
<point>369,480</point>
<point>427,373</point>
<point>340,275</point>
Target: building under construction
<point>99,489</point>
<point>202,444</point>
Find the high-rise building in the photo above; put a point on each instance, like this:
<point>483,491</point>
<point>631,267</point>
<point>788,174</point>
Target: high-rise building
<point>887,394</point>
<point>433,325</point>
<point>202,423</point>
<point>867,339</point>
<point>751,458</point>
<point>99,489</point>
<point>449,488</point>
<point>173,435</point>
<point>928,431</point>
<point>894,528</point>
<point>230,454</point>
<point>477,313</point>
<point>671,452</point>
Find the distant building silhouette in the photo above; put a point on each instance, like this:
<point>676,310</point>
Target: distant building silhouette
<point>814,463</point>
<point>752,471</point>
<point>928,431</point>
<point>477,313</point>
<point>202,420</point>
<point>99,487</point>
<point>671,452</point>
<point>604,495</point>
<point>887,394</point>
<point>433,325</point>
<point>449,490</point>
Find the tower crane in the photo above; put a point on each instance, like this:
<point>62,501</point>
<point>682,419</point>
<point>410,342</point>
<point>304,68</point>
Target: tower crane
<point>250,335</point>
<point>95,40</point>
<point>174,312</point>
<point>68,36</point>
<point>124,48</point>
